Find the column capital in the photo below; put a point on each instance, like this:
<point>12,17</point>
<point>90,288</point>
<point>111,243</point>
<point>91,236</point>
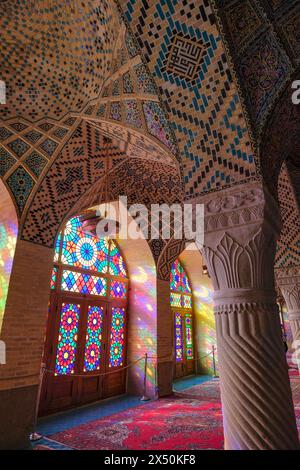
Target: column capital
<point>288,280</point>
<point>246,204</point>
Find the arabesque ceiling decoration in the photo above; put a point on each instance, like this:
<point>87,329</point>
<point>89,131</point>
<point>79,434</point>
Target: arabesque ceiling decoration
<point>152,82</point>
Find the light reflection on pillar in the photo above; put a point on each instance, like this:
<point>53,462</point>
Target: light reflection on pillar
<point>206,330</point>
<point>143,300</point>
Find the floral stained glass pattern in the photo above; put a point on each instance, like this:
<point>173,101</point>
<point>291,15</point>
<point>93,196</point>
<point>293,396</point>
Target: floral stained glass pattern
<point>81,283</point>
<point>117,333</point>
<point>67,339</point>
<point>94,331</point>
<point>118,289</point>
<point>178,337</point>
<point>97,268</point>
<point>83,250</point>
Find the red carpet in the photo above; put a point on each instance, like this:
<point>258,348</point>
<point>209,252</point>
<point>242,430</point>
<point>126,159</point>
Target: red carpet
<point>188,421</point>
<point>170,424</point>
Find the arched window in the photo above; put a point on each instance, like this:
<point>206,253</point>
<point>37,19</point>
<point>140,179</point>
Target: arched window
<point>182,310</point>
<point>87,323</point>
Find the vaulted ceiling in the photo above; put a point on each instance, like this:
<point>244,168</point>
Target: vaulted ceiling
<point>189,85</point>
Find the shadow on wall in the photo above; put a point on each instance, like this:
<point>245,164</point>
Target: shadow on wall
<point>8,239</point>
<point>205,330</point>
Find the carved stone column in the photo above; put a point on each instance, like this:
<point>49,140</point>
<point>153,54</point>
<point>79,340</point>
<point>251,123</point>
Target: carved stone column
<point>289,282</point>
<point>241,227</point>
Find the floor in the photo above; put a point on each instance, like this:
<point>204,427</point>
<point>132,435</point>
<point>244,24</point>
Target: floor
<point>190,419</point>
<point>59,422</point>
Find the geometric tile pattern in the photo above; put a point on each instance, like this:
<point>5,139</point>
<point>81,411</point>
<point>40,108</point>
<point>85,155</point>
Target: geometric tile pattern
<point>200,97</point>
<point>18,146</point>
<point>36,163</point>
<point>263,71</point>
<point>185,57</point>
<point>20,183</point>
<point>48,147</point>
<point>4,133</point>
<point>79,165</point>
<point>6,161</point>
<point>33,136</point>
<point>263,39</point>
<point>288,246</point>
<point>59,55</point>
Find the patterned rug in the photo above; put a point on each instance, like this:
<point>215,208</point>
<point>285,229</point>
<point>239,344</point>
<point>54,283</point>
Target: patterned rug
<point>207,391</point>
<point>190,420</point>
<point>167,424</point>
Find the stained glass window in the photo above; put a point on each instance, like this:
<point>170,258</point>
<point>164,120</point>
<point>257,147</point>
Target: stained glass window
<point>117,337</point>
<point>180,287</point>
<point>67,339</point>
<point>89,266</point>
<point>176,272</point>
<point>82,250</point>
<point>188,337</point>
<point>57,247</point>
<point>186,301</point>
<point>53,277</point>
<point>178,337</point>
<point>92,354</point>
<point>175,300</point>
<point>116,262</point>
<point>118,289</point>
<point>73,281</point>
<point>181,297</point>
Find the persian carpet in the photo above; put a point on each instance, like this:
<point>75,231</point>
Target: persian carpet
<point>169,423</point>
<point>189,420</point>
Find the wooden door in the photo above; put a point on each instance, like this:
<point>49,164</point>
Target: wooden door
<point>81,355</point>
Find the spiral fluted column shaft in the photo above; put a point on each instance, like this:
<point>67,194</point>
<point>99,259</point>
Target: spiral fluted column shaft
<point>289,282</point>
<point>257,404</point>
<point>241,229</point>
<point>295,326</point>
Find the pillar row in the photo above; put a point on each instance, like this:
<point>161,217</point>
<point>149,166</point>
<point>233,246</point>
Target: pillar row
<point>288,281</point>
<point>240,243</point>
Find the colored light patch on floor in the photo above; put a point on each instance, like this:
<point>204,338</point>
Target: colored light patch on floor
<point>170,423</point>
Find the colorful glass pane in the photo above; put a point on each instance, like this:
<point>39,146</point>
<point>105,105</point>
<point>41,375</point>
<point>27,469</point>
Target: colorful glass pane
<point>67,339</point>
<point>117,333</point>
<point>92,354</point>
<point>57,247</point>
<point>175,277</point>
<point>175,300</point>
<point>185,283</point>
<point>83,250</point>
<point>83,283</point>
<point>118,289</point>
<point>178,337</point>
<point>188,337</point>
<point>53,278</point>
<point>116,262</point>
<point>186,301</point>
